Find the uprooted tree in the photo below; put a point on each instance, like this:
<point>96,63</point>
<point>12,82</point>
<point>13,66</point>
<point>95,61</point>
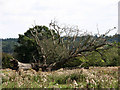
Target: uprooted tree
<point>52,48</point>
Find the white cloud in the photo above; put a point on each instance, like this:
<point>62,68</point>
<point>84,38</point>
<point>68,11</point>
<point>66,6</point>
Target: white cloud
<point>18,15</point>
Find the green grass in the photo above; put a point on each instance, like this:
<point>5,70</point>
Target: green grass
<point>64,79</point>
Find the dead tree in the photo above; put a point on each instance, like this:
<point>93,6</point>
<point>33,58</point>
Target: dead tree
<point>67,45</point>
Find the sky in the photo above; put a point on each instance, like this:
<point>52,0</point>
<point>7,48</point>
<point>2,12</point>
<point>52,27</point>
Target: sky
<point>17,16</point>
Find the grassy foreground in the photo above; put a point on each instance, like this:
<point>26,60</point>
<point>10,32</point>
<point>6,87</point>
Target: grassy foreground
<point>94,77</point>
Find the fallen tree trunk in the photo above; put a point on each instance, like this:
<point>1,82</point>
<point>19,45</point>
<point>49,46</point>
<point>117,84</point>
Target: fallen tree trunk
<point>16,65</point>
<point>24,66</point>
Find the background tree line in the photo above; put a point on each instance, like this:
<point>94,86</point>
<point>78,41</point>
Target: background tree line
<point>9,44</point>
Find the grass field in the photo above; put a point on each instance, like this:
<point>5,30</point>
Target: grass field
<point>94,77</point>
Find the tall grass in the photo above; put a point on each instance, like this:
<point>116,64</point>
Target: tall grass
<point>95,77</point>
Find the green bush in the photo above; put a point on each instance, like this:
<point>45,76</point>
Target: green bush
<point>76,62</point>
<point>6,60</point>
<point>110,58</point>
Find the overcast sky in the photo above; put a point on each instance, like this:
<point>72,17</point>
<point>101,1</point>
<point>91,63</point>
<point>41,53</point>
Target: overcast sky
<point>17,16</point>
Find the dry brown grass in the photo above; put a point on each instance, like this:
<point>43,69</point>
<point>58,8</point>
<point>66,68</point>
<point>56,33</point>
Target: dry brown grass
<point>94,77</point>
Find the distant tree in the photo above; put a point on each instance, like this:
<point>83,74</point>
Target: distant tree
<point>8,45</point>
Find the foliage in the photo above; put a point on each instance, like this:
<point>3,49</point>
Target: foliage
<point>76,62</point>
<point>110,58</point>
<point>27,50</point>
<point>6,60</point>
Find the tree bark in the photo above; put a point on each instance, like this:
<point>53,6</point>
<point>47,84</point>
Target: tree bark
<point>16,65</point>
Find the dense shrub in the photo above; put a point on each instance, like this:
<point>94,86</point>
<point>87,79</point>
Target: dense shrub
<point>6,60</point>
